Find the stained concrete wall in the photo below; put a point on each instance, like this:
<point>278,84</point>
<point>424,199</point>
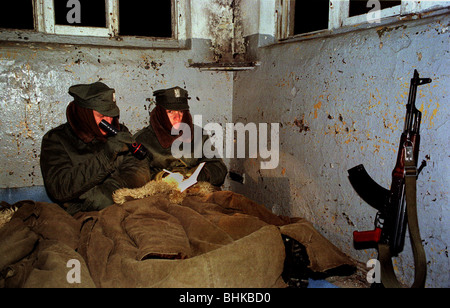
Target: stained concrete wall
<point>34,81</point>
<point>340,101</point>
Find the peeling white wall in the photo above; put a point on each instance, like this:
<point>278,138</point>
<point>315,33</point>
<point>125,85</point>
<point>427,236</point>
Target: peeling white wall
<point>340,102</point>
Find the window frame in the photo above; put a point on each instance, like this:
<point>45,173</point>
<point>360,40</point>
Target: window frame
<point>46,31</point>
<point>339,18</point>
<point>362,18</point>
<point>45,21</point>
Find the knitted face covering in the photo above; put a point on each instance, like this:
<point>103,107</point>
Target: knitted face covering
<point>83,123</point>
<point>161,125</point>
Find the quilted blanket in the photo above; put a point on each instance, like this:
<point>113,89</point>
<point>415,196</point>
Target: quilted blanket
<point>221,239</point>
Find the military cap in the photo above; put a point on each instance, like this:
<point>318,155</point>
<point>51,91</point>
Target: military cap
<point>172,99</point>
<point>96,96</point>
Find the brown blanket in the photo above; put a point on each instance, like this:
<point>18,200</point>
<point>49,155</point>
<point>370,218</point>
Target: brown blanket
<point>219,240</point>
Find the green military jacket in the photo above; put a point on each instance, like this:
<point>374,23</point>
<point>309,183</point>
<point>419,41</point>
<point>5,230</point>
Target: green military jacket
<point>214,170</point>
<point>81,176</point>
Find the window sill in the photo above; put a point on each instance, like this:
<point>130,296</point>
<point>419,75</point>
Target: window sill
<point>388,21</point>
<point>227,66</point>
<point>27,36</point>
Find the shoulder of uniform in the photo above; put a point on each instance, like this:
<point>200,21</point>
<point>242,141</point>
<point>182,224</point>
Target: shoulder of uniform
<point>56,130</point>
<point>144,131</point>
<point>123,128</point>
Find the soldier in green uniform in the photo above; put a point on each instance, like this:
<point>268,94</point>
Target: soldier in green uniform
<point>81,165</point>
<point>171,111</point>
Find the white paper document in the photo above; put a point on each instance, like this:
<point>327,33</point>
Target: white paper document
<point>185,184</point>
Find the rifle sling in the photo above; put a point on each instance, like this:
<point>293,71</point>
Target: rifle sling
<point>388,277</point>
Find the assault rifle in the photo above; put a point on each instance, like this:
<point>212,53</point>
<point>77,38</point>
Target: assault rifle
<point>396,207</point>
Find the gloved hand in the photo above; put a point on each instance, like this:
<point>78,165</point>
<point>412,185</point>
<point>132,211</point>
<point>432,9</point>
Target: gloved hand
<point>118,144</point>
<point>204,175</point>
<point>95,199</point>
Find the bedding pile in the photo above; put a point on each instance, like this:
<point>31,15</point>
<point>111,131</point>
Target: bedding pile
<point>218,239</point>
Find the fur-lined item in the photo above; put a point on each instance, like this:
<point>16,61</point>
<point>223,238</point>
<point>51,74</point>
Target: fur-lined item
<point>6,213</point>
<point>153,188</point>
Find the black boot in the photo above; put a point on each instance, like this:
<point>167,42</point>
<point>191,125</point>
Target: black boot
<point>296,271</point>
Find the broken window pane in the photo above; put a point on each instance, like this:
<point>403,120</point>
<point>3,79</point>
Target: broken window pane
<point>311,16</point>
<point>145,18</point>
<point>359,7</point>
<point>17,14</point>
<point>84,13</point>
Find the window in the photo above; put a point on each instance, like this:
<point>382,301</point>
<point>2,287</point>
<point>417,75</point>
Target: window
<point>297,17</point>
<point>109,17</point>
<point>145,18</point>
<point>303,22</point>
<point>138,23</point>
<point>361,11</point>
<point>360,7</point>
<point>85,13</point>
<point>18,15</point>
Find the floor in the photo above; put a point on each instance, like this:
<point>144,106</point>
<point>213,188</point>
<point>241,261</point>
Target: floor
<point>357,280</point>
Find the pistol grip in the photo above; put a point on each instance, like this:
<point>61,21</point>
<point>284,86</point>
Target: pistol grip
<point>367,236</point>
